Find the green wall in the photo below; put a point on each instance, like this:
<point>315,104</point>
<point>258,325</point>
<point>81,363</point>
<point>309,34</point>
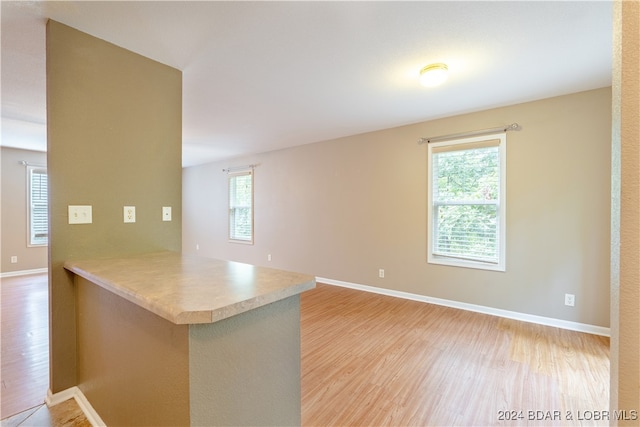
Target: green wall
<point>114,139</point>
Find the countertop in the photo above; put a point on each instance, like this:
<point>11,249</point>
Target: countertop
<point>186,289</point>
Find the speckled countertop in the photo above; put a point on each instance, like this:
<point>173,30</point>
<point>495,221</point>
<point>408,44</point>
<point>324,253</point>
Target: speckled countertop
<point>186,289</point>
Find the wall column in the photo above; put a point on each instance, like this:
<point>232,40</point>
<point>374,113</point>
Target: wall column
<point>625,236</point>
<point>114,139</point>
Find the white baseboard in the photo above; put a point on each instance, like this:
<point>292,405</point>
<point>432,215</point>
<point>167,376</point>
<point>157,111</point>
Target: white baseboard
<point>547,321</point>
<point>81,400</point>
<point>24,272</point>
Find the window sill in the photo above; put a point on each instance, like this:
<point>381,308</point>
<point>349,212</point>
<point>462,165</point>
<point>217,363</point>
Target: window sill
<point>37,245</point>
<point>242,242</point>
<point>466,263</point>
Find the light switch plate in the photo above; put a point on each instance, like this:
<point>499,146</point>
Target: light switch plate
<point>166,213</point>
<point>80,214</point>
<point>129,214</point>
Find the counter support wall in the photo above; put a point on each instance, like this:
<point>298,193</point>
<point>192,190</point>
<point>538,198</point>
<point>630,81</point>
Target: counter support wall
<point>137,368</point>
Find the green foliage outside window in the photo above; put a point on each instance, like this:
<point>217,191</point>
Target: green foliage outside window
<point>466,195</point>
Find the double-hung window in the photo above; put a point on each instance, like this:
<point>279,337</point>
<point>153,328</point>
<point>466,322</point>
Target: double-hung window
<point>241,206</point>
<point>466,202</point>
<point>38,232</point>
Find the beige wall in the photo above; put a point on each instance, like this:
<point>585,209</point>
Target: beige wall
<point>15,226</point>
<point>114,139</point>
<point>245,369</point>
<point>625,224</point>
<point>343,209</point>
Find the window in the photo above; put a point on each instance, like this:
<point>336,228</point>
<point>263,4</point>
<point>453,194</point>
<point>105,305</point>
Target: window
<point>241,206</point>
<point>466,218</point>
<point>37,206</point>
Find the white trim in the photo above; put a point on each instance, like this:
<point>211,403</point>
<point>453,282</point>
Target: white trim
<point>531,318</point>
<point>81,400</point>
<point>24,272</point>
<point>233,174</point>
<point>501,203</point>
<point>62,396</point>
<point>31,169</point>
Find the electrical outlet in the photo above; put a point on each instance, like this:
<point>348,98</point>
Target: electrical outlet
<point>269,257</point>
<point>570,300</point>
<point>166,213</point>
<point>14,259</point>
<point>381,273</point>
<point>129,214</point>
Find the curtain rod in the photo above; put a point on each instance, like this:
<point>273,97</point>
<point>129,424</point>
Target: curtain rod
<point>512,126</point>
<point>238,168</point>
<point>25,163</point>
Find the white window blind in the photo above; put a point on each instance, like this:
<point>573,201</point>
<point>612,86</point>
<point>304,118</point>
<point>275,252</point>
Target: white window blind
<point>37,206</point>
<point>241,206</point>
<point>466,202</point>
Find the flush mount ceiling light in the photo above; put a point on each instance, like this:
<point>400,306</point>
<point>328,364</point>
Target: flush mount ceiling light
<point>433,74</point>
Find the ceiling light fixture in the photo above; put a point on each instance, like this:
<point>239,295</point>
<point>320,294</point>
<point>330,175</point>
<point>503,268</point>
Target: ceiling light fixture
<point>434,74</point>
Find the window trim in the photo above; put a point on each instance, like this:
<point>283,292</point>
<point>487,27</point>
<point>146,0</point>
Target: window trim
<point>501,211</point>
<point>232,175</point>
<point>31,169</point>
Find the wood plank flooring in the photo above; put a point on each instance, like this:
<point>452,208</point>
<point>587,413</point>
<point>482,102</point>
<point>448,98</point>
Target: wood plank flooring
<point>64,414</point>
<point>373,360</point>
<point>24,335</point>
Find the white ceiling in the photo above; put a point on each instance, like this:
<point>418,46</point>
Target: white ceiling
<point>260,76</point>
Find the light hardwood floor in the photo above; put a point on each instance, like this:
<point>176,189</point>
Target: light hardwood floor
<point>24,369</point>
<point>65,414</point>
<point>24,334</point>
<point>375,360</point>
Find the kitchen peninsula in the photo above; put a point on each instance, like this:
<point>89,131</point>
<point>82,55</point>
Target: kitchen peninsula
<point>170,339</point>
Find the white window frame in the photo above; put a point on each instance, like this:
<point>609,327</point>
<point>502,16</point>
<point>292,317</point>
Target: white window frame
<point>233,207</point>
<point>433,258</point>
<point>35,224</point>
